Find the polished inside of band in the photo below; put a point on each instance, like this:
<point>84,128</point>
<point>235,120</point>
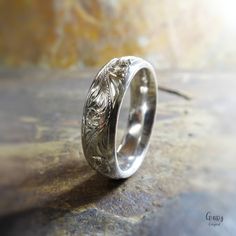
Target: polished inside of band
<point>140,119</point>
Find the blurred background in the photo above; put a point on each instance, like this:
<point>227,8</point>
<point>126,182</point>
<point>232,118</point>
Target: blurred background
<point>184,34</point>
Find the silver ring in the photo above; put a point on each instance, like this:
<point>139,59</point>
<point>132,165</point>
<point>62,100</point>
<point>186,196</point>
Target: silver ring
<point>101,114</point>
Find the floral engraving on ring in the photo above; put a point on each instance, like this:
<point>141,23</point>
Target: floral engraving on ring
<point>97,111</point>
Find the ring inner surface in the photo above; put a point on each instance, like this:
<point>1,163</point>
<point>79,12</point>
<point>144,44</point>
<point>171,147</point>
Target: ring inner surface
<point>140,119</point>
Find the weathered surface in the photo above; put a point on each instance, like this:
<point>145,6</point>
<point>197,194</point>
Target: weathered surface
<point>47,188</point>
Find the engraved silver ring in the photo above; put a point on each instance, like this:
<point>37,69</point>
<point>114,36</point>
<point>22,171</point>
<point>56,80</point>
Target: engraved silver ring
<point>102,111</point>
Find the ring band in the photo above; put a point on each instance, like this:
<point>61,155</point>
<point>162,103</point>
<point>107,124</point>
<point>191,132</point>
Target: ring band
<point>101,114</point>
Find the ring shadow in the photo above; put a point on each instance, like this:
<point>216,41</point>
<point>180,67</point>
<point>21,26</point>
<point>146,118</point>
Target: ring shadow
<point>88,191</point>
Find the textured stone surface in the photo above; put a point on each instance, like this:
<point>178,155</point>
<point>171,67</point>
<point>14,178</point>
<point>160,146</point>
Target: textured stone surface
<point>174,34</point>
<point>47,188</point>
